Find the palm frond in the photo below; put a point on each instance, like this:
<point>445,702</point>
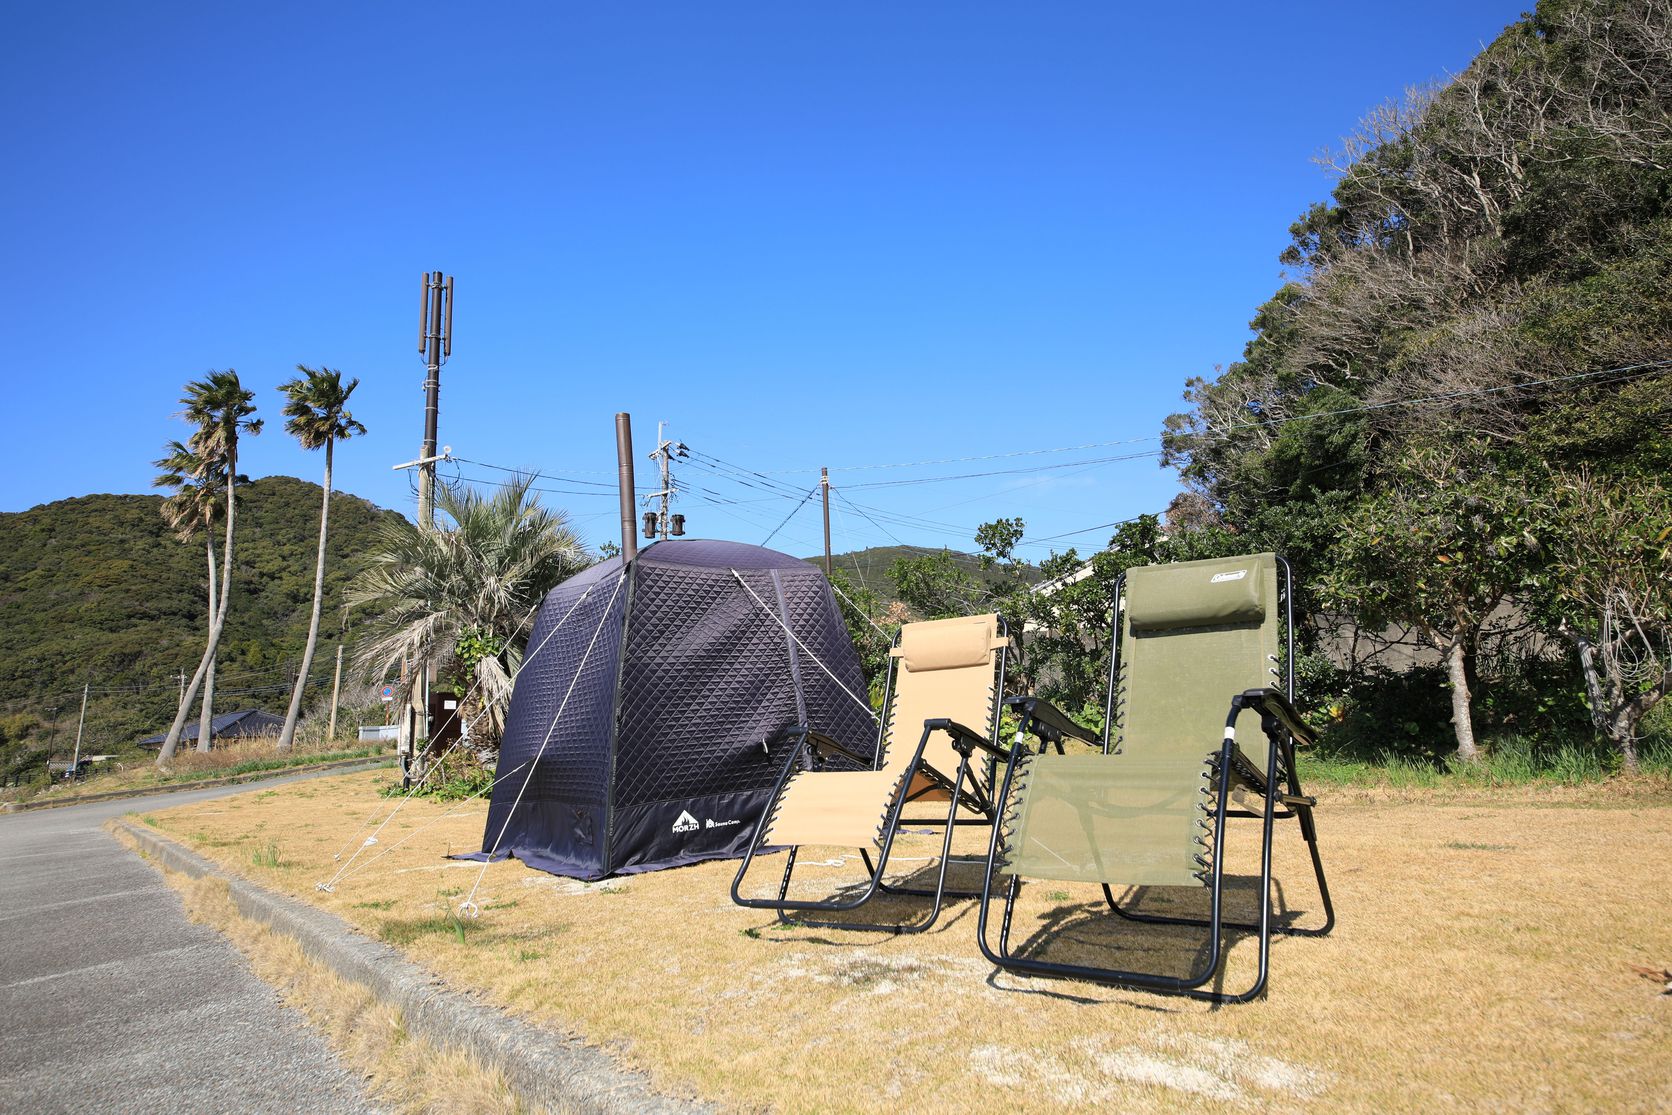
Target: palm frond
<point>486,574</point>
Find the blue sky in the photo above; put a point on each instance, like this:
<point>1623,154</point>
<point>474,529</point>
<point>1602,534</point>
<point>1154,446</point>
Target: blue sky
<point>804,235</point>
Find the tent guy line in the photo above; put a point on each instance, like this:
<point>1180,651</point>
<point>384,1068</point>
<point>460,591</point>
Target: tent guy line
<point>457,810</point>
<point>435,766</point>
<point>866,705</point>
<point>468,907</point>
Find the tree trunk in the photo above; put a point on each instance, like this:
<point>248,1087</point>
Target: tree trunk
<point>1613,714</point>
<point>1623,727</point>
<point>172,742</point>
<point>288,735</point>
<point>1594,695</point>
<point>1462,722</point>
<point>206,717</point>
<point>1631,713</point>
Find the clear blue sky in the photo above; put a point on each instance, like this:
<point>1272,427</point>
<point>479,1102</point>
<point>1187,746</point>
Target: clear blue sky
<point>803,234</point>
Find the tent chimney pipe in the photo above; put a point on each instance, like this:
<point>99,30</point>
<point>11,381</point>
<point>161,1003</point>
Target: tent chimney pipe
<point>624,464</point>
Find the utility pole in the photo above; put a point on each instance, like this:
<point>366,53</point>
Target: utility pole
<point>435,340</point>
<point>52,741</point>
<point>660,524</point>
<point>624,480</point>
<point>337,680</point>
<point>667,479</point>
<point>75,763</point>
<point>824,490</point>
<point>404,740</point>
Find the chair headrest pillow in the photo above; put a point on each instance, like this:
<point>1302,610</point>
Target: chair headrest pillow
<point>949,644</point>
<point>1197,594</point>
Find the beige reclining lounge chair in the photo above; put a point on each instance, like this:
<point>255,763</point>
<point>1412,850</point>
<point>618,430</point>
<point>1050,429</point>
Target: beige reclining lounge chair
<point>944,690</point>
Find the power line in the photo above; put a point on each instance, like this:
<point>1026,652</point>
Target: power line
<point>867,517</point>
<point>1625,372</point>
<point>770,489</point>
<point>737,474</point>
<point>1005,471</point>
<point>536,474</point>
<point>876,516</point>
<point>722,462</point>
<point>536,488</point>
<point>756,524</point>
<point>853,559</point>
<point>810,494</point>
<point>1082,530</point>
<point>979,457</point>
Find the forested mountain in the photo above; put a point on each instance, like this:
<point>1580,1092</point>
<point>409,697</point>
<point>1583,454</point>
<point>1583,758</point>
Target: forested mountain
<point>1462,400</point>
<point>870,567</point>
<point>97,589</point>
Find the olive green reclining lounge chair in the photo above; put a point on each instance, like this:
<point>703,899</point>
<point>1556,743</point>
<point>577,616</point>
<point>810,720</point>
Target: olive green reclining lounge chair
<point>945,683</point>
<point>1197,645</point>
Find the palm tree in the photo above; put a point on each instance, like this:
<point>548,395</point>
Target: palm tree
<point>316,414</point>
<point>464,597</point>
<point>220,408</point>
<point>194,507</point>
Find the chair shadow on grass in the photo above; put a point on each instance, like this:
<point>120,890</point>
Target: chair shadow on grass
<point>963,873</point>
<point>1072,932</point>
<point>1090,933</point>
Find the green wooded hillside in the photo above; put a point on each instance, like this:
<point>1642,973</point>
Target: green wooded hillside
<point>1460,404</point>
<point>96,589</point>
<point>869,567</point>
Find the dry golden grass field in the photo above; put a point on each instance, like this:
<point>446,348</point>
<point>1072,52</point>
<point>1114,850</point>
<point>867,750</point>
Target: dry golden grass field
<point>1482,961</point>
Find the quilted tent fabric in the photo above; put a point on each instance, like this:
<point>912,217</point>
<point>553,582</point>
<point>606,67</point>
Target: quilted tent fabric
<point>701,651</point>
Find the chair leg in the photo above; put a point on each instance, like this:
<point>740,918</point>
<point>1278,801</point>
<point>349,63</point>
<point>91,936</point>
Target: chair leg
<point>938,894</point>
<point>1309,831</point>
<point>784,886</point>
<point>987,818</point>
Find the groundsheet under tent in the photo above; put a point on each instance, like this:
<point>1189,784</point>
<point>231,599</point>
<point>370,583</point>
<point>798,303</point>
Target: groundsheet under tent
<point>636,737</point>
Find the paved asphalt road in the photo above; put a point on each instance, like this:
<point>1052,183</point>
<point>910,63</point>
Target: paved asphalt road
<point>111,1001</point>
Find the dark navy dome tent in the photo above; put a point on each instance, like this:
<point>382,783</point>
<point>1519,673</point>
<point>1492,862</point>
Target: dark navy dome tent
<point>636,737</point>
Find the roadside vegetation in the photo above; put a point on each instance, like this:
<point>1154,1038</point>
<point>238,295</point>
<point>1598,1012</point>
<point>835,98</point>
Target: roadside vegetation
<point>463,598</point>
<point>235,758</point>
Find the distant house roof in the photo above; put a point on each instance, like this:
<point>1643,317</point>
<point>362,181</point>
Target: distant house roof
<point>228,725</point>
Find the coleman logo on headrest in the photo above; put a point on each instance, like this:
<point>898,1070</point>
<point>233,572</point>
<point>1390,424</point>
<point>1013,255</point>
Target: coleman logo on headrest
<point>686,823</point>
<point>1237,576</point>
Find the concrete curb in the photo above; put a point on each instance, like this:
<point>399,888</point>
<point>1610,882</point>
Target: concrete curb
<point>198,784</point>
<point>545,1070</point>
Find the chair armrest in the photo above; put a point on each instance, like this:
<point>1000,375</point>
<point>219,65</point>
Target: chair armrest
<point>824,746</point>
<point>1048,721</point>
<point>966,741</point>
<point>1273,703</point>
<point>816,741</point>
